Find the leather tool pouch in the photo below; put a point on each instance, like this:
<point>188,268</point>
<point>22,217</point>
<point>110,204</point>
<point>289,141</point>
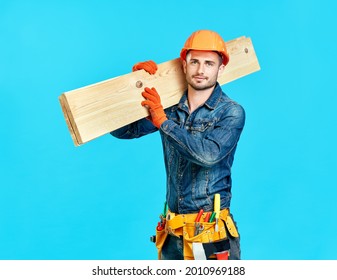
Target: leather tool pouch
<point>160,240</point>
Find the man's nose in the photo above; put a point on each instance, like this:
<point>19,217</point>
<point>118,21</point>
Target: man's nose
<point>201,68</point>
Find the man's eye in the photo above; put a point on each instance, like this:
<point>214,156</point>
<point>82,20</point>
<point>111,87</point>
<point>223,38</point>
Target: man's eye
<point>193,62</point>
<point>209,63</point>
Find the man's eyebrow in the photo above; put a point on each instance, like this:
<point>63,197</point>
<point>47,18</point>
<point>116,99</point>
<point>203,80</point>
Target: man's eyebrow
<point>208,61</point>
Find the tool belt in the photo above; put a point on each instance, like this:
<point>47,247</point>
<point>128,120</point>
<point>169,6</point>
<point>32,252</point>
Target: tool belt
<point>184,225</point>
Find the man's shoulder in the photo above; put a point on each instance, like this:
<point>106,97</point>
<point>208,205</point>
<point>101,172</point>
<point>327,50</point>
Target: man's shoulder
<point>229,108</point>
<point>225,100</point>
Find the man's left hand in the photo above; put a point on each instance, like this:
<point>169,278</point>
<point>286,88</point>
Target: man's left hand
<point>153,103</point>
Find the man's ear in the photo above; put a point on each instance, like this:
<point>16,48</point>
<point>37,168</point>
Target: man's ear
<point>184,66</point>
<point>221,69</point>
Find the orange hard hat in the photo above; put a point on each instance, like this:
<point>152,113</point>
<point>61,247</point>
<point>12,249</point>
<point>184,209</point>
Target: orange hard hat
<point>205,40</point>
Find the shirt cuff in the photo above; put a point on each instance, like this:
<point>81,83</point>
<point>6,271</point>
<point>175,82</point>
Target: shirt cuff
<point>167,126</point>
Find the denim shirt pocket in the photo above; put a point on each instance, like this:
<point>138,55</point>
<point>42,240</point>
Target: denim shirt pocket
<point>201,125</point>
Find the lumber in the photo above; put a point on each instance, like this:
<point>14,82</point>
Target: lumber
<point>97,109</point>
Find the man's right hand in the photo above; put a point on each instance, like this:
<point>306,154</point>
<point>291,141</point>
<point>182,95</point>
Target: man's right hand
<point>149,66</point>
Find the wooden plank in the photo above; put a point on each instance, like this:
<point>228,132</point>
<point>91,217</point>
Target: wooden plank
<point>100,108</point>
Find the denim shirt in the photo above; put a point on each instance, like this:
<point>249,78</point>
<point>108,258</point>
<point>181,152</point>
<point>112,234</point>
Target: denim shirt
<point>198,150</point>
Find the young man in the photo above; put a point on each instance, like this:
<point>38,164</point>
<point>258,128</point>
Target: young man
<point>199,136</point>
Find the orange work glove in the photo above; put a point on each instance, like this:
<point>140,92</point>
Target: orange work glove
<point>153,103</point>
<point>149,66</point>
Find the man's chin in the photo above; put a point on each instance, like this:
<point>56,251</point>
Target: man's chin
<point>201,86</point>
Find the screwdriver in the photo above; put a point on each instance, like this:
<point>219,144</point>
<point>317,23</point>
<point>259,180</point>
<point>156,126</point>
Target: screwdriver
<point>217,210</point>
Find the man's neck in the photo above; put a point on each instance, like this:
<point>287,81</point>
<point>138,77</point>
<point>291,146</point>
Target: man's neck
<point>196,98</point>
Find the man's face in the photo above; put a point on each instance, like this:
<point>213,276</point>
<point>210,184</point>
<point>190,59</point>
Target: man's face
<point>202,69</point>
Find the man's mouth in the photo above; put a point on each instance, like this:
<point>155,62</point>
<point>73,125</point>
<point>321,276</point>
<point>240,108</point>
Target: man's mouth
<point>199,78</point>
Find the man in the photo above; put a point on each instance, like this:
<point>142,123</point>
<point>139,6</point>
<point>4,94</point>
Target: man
<point>199,136</point>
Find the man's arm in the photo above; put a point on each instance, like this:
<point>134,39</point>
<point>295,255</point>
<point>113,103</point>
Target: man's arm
<point>216,145</point>
<point>206,151</point>
<point>143,126</point>
<point>134,130</point>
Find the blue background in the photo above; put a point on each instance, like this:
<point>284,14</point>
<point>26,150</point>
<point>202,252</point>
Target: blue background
<point>102,200</point>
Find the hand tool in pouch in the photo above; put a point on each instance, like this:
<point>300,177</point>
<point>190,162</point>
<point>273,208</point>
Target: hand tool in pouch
<point>198,226</point>
<point>217,210</point>
<point>208,215</point>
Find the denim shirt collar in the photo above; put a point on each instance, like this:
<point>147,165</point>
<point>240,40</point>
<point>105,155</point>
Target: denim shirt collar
<point>211,102</point>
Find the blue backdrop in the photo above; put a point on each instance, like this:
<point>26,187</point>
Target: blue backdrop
<point>102,200</point>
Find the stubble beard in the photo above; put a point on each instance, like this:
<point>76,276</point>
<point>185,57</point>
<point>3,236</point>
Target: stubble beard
<point>201,87</point>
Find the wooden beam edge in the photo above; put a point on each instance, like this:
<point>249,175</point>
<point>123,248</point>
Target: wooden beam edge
<point>75,135</point>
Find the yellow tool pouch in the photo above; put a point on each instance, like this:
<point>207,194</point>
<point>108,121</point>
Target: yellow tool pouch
<point>184,225</point>
<point>160,240</point>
